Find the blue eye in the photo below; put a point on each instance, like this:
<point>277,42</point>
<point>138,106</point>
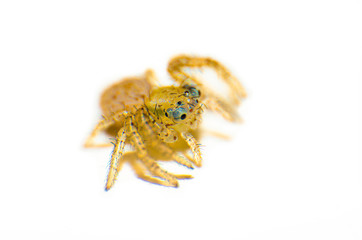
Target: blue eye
<point>169,112</point>
<point>179,113</point>
<point>195,93</point>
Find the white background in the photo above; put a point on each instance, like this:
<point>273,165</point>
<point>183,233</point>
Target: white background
<point>291,171</point>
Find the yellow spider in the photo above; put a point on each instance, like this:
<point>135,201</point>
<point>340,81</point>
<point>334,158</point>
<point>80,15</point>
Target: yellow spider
<point>161,123</point>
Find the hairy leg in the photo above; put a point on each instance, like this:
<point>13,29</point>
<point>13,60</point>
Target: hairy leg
<point>101,126</point>
<point>115,163</point>
<point>191,141</point>
<point>212,133</point>
<point>143,173</point>
<point>142,154</point>
<point>176,65</point>
<point>151,77</point>
<point>140,170</point>
<point>177,69</point>
<point>226,110</point>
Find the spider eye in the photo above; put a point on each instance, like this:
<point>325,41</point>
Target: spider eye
<point>179,103</point>
<point>194,92</point>
<point>169,112</point>
<point>179,113</point>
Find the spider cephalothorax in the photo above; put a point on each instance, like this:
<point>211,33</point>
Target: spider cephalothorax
<point>159,122</point>
<point>176,107</point>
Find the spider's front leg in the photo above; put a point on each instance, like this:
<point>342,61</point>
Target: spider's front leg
<point>176,70</point>
<point>139,168</point>
<point>115,163</point>
<point>226,110</point>
<point>191,141</point>
<point>151,164</point>
<point>142,171</point>
<point>225,107</point>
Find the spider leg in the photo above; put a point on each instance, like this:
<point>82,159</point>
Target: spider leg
<point>116,163</point>
<point>220,106</point>
<point>182,176</point>
<point>151,77</point>
<point>191,141</point>
<point>142,154</point>
<point>140,169</point>
<point>101,126</point>
<point>176,69</point>
<point>183,161</point>
<point>176,65</point>
<point>216,134</point>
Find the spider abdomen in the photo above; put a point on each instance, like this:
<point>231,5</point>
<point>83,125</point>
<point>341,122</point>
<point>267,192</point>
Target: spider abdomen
<point>126,95</point>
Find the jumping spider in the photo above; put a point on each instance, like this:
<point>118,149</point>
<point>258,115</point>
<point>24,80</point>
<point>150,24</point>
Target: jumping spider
<point>159,121</point>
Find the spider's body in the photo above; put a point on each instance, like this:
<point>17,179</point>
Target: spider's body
<point>159,122</point>
<point>124,96</point>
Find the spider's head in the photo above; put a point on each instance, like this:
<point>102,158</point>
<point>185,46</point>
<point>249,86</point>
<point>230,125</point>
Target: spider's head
<point>177,107</point>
